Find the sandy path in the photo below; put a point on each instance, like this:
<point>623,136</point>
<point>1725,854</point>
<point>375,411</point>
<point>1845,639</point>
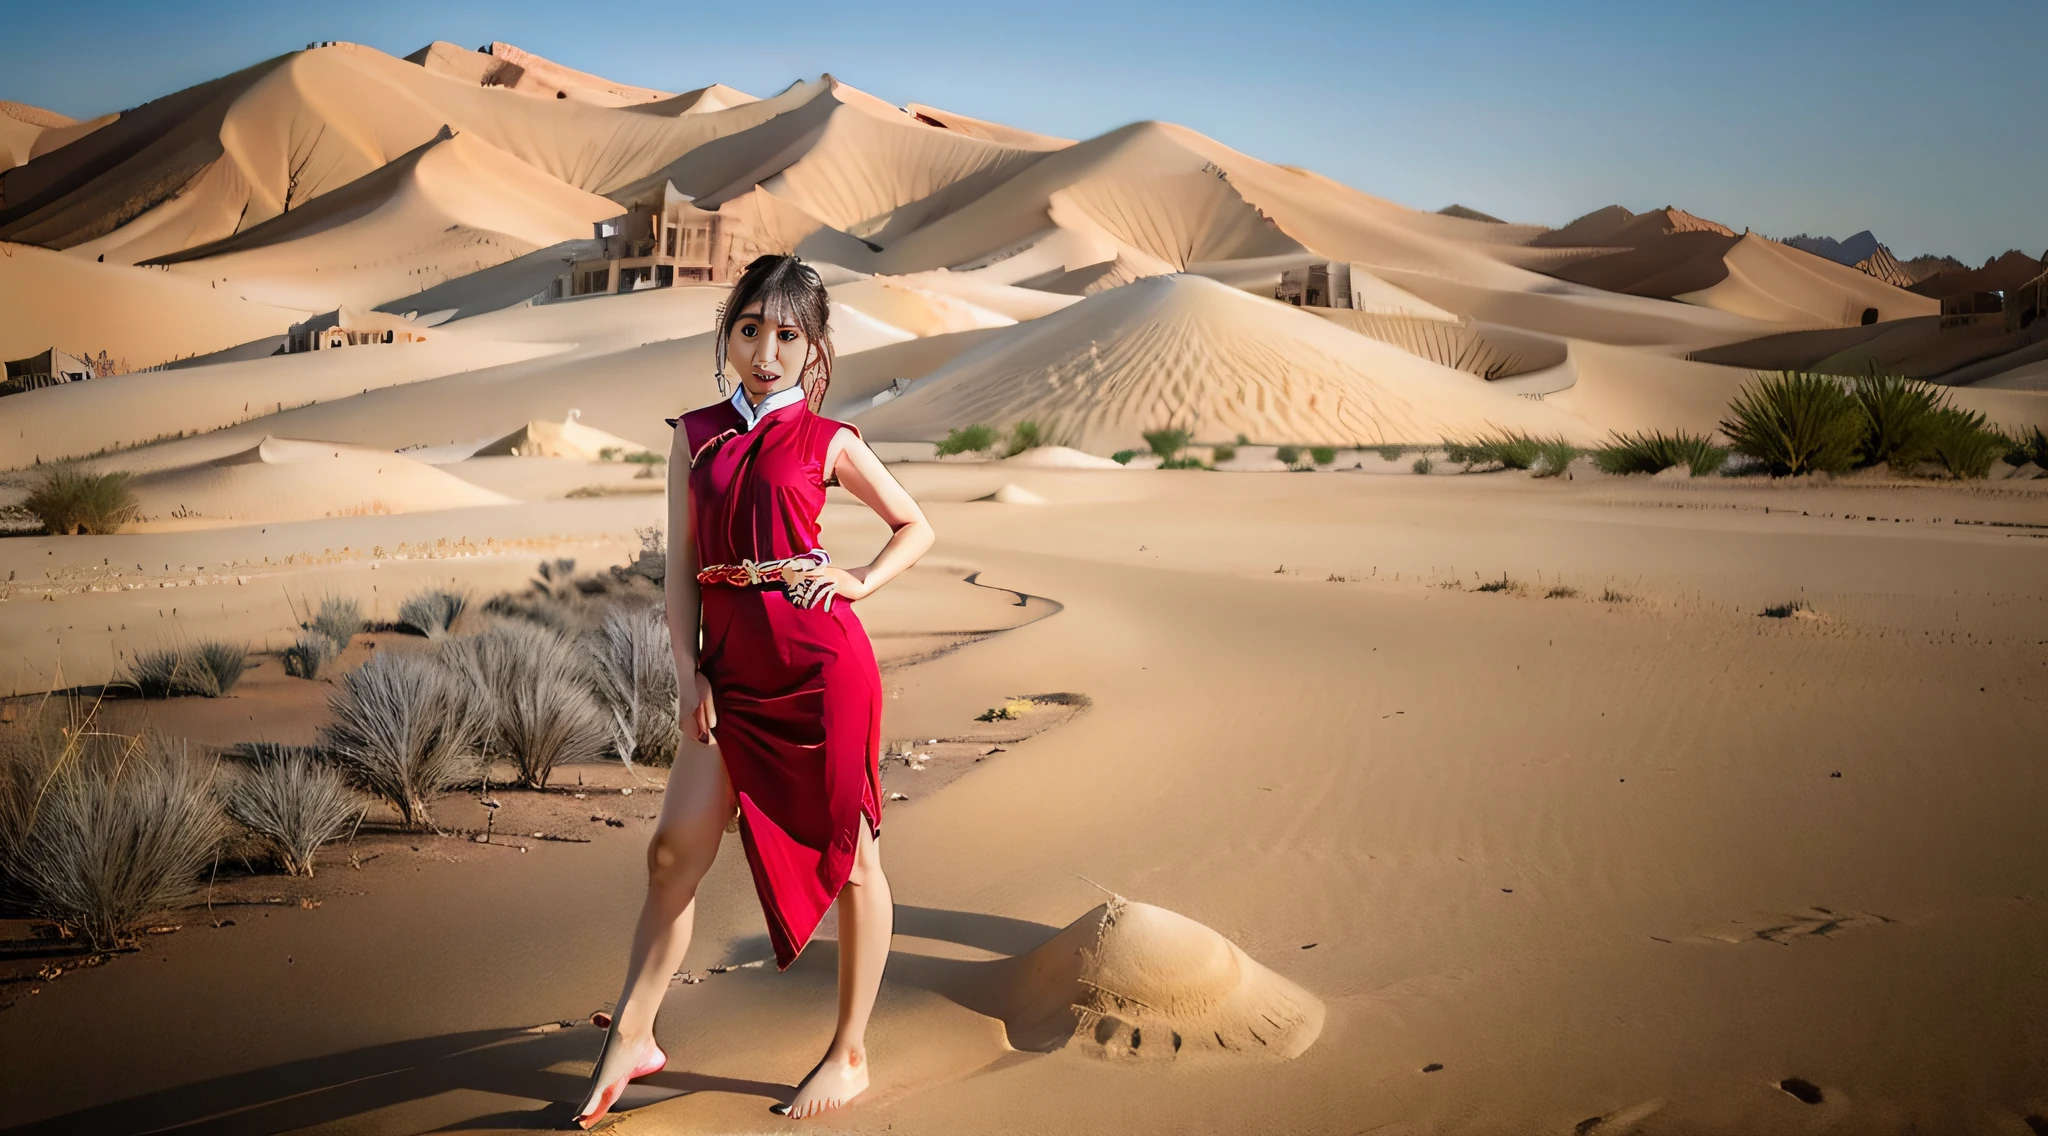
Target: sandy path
<point>1574,852</point>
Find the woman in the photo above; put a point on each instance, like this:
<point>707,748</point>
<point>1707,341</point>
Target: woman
<point>783,702</point>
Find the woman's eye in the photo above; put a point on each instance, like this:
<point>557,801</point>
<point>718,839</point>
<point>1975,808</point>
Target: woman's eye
<point>747,330</point>
<point>789,337</point>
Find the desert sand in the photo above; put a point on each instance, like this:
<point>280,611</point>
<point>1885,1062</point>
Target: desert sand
<point>1358,794</point>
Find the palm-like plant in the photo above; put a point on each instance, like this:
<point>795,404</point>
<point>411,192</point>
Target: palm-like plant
<point>1794,423</point>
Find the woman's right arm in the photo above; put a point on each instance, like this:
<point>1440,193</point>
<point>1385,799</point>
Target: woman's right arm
<point>684,601</point>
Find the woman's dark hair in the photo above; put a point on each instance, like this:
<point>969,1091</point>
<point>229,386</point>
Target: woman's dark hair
<point>788,290</point>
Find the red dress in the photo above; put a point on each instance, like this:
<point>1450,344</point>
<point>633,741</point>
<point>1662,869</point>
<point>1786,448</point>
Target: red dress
<point>798,695</point>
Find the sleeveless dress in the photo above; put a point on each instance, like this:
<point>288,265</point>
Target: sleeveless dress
<point>797,691</point>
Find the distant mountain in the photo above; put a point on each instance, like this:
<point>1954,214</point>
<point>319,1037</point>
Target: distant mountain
<point>1617,227</point>
<point>2003,272</point>
<point>1857,248</point>
<point>1470,214</point>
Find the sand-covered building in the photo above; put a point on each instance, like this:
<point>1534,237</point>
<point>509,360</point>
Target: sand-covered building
<point>662,239</point>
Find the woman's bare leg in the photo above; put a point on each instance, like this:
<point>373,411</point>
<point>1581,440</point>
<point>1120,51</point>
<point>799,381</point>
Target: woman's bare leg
<point>694,811</point>
<point>867,918</point>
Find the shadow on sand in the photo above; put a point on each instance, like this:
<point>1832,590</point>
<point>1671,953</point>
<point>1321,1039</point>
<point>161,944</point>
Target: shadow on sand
<point>513,1062</point>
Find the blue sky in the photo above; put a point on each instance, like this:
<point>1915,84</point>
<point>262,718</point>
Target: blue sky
<point>1908,119</point>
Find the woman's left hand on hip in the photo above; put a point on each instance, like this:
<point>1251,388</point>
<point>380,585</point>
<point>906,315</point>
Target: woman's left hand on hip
<point>846,585</point>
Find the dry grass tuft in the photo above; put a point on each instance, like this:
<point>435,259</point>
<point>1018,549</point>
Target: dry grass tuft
<point>635,675</point>
<point>293,804</point>
<point>405,727</point>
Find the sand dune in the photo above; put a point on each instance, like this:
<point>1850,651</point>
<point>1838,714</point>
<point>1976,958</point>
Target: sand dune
<point>129,410</point>
<point>1770,281</point>
<point>565,439</point>
<point>1187,351</point>
<point>142,316</point>
<point>502,65</point>
<point>29,132</point>
<point>205,163</point>
<point>455,206</point>
<point>289,479</point>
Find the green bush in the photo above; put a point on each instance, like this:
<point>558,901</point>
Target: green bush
<point>1506,449</point>
<point>1222,452</point>
<point>1123,457</point>
<point>1025,436</point>
<point>1554,456</point>
<point>1423,465</point>
<point>1795,423</point>
<point>1898,420</point>
<point>1288,455</point>
<point>1963,444</point>
<point>1183,463</point>
<point>1168,443</point>
<point>70,502</point>
<point>1389,453</point>
<point>2023,446</point>
<point>967,440</point>
<point>1322,455</point>
<point>1656,452</point>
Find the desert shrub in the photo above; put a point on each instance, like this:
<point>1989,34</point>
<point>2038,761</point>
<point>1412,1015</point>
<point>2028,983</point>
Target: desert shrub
<point>1501,585</point>
<point>1167,443</point>
<point>1287,455</point>
<point>1322,455</point>
<point>1899,419</point>
<point>635,676</point>
<point>646,457</point>
<point>1183,463</point>
<point>102,831</point>
<point>309,656</point>
<point>1506,449</point>
<point>534,691</point>
<point>223,663</point>
<point>2023,446</point>
<point>208,669</point>
<point>1657,451</point>
<point>340,619</point>
<point>1963,444</point>
<point>405,727</point>
<point>1123,457</point>
<point>1561,592</point>
<point>1785,610</point>
<point>1795,423</point>
<point>1554,456</point>
<point>1224,451</point>
<point>69,501</point>
<point>432,612</point>
<point>556,579</point>
<point>1025,436</point>
<point>1612,594</point>
<point>967,440</point>
<point>1389,453</point>
<point>1423,465</point>
<point>293,803</point>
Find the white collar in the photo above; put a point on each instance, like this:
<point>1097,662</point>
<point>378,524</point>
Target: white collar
<point>752,415</point>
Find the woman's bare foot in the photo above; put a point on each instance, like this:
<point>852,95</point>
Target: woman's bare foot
<point>838,1079</point>
<point>623,1060</point>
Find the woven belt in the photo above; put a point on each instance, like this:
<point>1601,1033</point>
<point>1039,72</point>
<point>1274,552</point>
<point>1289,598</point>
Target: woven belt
<point>805,592</point>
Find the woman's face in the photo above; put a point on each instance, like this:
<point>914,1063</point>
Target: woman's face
<point>766,358</point>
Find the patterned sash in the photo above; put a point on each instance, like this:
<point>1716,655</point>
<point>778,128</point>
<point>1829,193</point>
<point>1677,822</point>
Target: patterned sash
<point>806,592</point>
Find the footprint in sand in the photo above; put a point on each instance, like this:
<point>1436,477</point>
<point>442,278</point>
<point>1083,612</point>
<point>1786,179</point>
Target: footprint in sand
<point>1784,930</point>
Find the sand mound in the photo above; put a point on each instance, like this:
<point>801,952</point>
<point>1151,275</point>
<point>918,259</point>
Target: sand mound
<point>135,315</point>
<point>286,479</point>
<point>452,207</point>
<point>1014,494</point>
<point>919,311</point>
<point>1185,351</point>
<point>1770,281</point>
<point>1129,980</point>
<point>1058,457</point>
<point>568,439</point>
